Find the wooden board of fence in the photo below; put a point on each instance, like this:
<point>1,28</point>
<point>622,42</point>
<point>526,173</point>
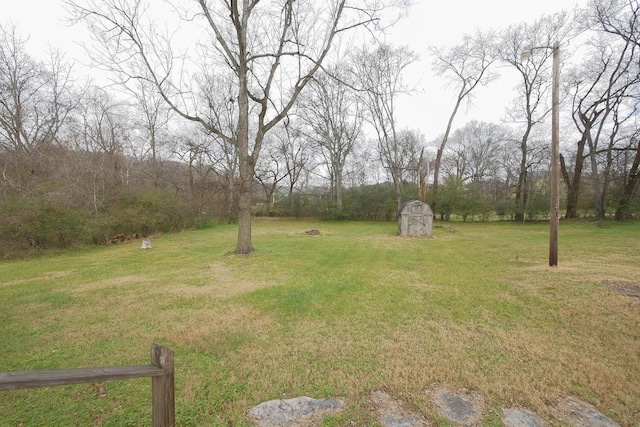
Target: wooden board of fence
<point>161,371</point>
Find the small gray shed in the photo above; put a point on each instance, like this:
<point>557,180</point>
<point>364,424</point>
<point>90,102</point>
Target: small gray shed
<point>415,219</point>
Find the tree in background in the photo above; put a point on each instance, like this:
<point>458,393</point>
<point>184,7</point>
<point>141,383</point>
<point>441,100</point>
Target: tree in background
<point>466,66</point>
<point>410,147</point>
<point>602,90</point>
<point>619,20</point>
<point>153,117</point>
<point>198,175</point>
<point>530,108</point>
<point>104,131</point>
<point>36,99</point>
<point>474,150</point>
<point>617,17</point>
<point>297,151</point>
<point>333,115</point>
<point>472,169</point>
<point>630,177</point>
<point>271,170</point>
<point>379,73</point>
<point>268,53</point>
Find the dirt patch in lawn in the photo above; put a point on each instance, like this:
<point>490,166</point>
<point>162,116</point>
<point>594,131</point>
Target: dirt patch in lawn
<point>628,289</point>
<point>222,281</point>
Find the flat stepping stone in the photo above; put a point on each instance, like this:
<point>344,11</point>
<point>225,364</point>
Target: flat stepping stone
<point>515,417</point>
<point>582,414</point>
<point>463,408</point>
<point>299,411</point>
<point>394,413</point>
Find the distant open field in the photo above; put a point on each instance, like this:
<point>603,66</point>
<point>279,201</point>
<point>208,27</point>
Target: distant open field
<point>352,310</point>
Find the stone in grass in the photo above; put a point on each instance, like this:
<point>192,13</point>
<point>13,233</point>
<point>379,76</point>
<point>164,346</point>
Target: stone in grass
<point>146,244</point>
<point>581,414</point>
<point>299,411</point>
<point>313,232</point>
<point>464,408</point>
<point>515,417</point>
<point>392,413</point>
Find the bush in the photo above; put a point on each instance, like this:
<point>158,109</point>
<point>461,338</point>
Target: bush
<point>41,224</point>
<point>28,224</point>
<point>370,202</point>
<point>151,211</point>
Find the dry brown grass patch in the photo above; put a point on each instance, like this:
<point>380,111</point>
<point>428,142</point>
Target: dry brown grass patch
<point>222,281</point>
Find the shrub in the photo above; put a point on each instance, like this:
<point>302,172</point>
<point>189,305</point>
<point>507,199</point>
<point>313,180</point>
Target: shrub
<point>41,224</point>
<point>28,224</point>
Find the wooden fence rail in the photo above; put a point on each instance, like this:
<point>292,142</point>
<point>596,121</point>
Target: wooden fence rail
<point>160,370</point>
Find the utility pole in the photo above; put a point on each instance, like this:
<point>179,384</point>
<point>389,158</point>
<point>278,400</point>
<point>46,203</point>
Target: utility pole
<point>554,214</point>
<point>554,179</point>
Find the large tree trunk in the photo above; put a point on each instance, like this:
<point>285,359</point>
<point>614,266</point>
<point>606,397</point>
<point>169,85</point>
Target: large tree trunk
<point>338,185</point>
<point>630,188</point>
<point>606,180</point>
<point>397,181</point>
<point>521,188</point>
<point>573,184</point>
<point>443,143</point>
<point>597,184</point>
<point>436,172</point>
<point>244,245</point>
<point>231,200</point>
<point>436,169</point>
<point>245,164</point>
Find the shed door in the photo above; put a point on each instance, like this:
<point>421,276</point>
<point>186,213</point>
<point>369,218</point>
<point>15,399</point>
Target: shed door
<point>417,224</point>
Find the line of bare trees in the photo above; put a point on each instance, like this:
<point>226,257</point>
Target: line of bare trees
<point>264,104</point>
<point>600,107</point>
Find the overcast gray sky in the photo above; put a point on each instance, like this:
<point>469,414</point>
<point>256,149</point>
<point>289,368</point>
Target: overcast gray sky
<point>427,23</point>
<point>444,25</point>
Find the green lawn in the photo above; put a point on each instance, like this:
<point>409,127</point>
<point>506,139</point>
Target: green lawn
<point>352,310</point>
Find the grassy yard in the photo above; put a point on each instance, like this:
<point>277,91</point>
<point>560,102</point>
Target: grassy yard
<point>353,310</point>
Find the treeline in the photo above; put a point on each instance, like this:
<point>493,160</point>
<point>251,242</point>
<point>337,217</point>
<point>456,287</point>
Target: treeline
<point>457,201</point>
<point>70,198</point>
<point>154,152</point>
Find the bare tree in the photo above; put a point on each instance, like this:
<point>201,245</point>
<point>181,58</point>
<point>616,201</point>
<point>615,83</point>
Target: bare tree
<point>530,107</point>
<point>379,73</point>
<point>203,184</point>
<point>363,167</point>
<point>296,150</point>
<point>618,100</point>
<point>618,17</point>
<point>476,148</point>
<point>226,159</point>
<point>102,131</point>
<point>454,161</point>
<point>604,98</point>
<point>466,66</point>
<point>153,123</point>
<point>630,177</point>
<point>334,118</point>
<point>21,79</point>
<point>602,89</point>
<point>36,99</point>
<point>411,145</point>
<point>271,170</point>
<point>270,50</point>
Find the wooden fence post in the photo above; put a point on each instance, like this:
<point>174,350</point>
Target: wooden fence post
<point>164,410</point>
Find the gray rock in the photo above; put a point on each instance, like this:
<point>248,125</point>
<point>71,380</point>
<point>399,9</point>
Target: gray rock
<point>392,412</point>
<point>299,411</point>
<point>463,408</point>
<point>581,414</point>
<point>514,417</point>
<point>390,420</point>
